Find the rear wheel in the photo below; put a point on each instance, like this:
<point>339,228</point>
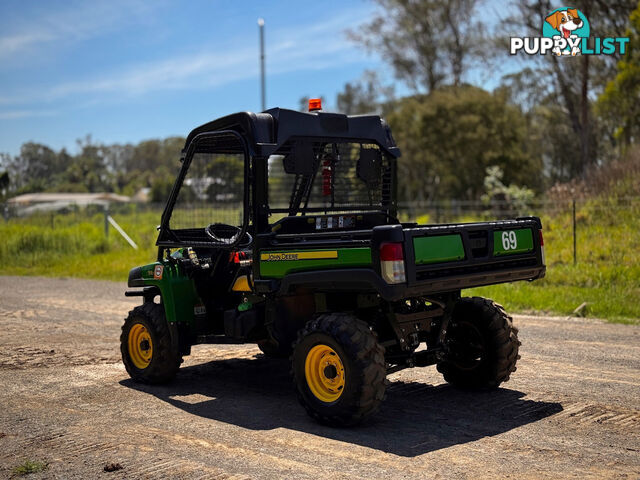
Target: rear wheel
<point>338,369</point>
<point>148,353</point>
<point>482,345</point>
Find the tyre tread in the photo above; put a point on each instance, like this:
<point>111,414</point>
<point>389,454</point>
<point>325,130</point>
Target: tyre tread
<point>360,343</point>
<point>166,362</point>
<point>492,319</point>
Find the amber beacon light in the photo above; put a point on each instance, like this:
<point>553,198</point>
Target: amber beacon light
<point>315,104</point>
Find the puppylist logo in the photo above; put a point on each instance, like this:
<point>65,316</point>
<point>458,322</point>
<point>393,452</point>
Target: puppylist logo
<point>566,32</point>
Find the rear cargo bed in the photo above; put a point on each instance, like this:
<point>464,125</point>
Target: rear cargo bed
<point>445,257</point>
<point>437,258</point>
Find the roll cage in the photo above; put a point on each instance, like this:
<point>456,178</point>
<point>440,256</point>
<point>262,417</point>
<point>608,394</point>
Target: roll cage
<point>257,137</point>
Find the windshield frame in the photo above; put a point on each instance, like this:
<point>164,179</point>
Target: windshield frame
<point>201,143</point>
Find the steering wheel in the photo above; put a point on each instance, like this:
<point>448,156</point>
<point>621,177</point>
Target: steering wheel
<point>227,234</point>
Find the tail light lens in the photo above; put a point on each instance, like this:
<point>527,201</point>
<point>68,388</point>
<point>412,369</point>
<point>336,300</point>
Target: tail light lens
<point>392,263</point>
<point>544,261</point>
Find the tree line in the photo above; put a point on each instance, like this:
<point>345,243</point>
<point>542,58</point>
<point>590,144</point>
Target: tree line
<point>552,121</point>
<point>96,167</point>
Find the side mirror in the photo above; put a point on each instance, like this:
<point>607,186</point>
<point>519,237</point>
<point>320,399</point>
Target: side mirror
<point>301,160</point>
<point>369,166</point>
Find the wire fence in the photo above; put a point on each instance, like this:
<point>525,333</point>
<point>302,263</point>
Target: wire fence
<point>578,231</point>
<point>573,223</point>
<point>448,211</point>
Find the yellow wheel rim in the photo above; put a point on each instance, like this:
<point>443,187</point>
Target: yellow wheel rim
<point>324,372</point>
<point>140,346</point>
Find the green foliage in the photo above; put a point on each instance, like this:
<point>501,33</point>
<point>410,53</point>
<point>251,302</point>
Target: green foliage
<point>619,104</point>
<point>95,168</point>
<point>452,135</point>
<point>228,170</point>
<point>161,188</point>
<point>35,238</point>
<point>573,139</point>
<point>365,95</point>
<point>69,246</point>
<point>517,198</point>
<point>430,44</point>
<point>30,466</point>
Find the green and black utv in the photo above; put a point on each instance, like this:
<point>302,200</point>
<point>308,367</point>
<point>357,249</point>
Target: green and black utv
<point>282,230</point>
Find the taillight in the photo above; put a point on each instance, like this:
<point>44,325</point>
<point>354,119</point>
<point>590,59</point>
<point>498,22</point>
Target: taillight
<point>392,263</point>
<point>544,261</point>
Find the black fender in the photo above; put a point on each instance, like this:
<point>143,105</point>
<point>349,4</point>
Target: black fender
<point>361,280</point>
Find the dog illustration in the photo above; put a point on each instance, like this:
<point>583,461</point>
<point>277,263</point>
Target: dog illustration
<point>566,22</point>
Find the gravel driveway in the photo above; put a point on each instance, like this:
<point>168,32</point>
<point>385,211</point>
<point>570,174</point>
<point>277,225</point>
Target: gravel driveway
<point>572,410</point>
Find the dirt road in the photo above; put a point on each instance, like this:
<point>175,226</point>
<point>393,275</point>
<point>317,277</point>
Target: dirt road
<point>572,410</point>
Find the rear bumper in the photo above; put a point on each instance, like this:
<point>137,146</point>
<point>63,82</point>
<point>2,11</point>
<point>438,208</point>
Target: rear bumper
<point>366,280</point>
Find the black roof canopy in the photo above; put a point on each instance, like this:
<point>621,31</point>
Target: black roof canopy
<point>266,132</point>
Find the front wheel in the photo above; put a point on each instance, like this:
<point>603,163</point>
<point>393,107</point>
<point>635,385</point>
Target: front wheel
<point>338,369</point>
<point>148,353</point>
<point>482,345</point>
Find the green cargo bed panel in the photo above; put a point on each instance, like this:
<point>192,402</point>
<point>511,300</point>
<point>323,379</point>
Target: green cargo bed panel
<point>438,249</point>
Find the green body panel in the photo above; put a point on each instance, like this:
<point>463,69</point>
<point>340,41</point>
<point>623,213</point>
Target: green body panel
<point>438,249</point>
<point>346,257</point>
<point>508,242</point>
<point>178,291</point>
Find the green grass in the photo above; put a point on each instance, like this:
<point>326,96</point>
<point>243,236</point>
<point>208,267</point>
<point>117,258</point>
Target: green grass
<point>29,466</point>
<point>607,275</point>
<point>76,248</point>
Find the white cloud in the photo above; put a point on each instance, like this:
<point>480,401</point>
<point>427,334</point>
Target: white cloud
<point>309,47</point>
<point>12,44</point>
<point>81,20</point>
<point>16,114</point>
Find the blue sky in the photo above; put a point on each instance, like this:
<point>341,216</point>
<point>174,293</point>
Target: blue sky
<point>128,70</point>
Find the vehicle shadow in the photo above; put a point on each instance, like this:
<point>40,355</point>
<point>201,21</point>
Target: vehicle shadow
<point>415,418</point>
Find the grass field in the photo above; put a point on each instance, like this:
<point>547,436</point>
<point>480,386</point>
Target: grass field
<point>606,277</point>
<point>76,246</point>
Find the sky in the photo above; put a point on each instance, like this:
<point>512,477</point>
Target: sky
<point>127,70</point>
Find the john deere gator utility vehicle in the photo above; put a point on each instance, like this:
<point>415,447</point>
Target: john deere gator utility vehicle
<point>282,230</point>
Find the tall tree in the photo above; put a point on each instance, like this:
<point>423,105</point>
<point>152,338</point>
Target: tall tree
<point>572,82</point>
<point>88,168</point>
<point>365,95</point>
<point>94,168</point>
<point>428,43</point>
<point>619,105</point>
<point>451,136</point>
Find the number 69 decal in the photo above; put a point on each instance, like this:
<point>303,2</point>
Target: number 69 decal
<point>509,240</point>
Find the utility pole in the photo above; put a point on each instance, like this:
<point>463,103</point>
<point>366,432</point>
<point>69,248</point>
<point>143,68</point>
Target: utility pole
<point>262,73</point>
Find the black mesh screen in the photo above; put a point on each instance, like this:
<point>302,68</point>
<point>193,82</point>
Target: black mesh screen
<point>331,177</point>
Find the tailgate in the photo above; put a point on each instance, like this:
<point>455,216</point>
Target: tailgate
<point>475,254</point>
